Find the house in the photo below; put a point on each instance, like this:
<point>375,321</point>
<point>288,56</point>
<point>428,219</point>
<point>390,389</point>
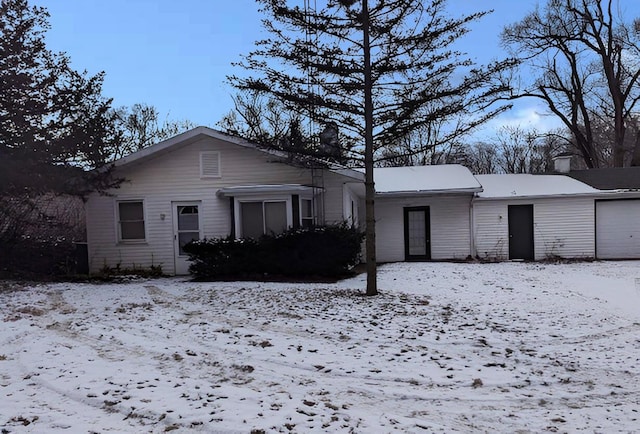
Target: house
<point>206,184</point>
<point>203,183</point>
<point>424,212</point>
<point>534,217</point>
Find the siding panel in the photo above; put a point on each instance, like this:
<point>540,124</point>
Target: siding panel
<point>564,227</point>
<point>450,227</point>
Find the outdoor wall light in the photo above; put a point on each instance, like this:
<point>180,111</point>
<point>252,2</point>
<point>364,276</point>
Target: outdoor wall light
<point>162,216</point>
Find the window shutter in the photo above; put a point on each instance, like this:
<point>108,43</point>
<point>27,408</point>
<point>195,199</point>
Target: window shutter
<point>210,164</point>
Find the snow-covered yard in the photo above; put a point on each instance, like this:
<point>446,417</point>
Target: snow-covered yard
<point>511,347</point>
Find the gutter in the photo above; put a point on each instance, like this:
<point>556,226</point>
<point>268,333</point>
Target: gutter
<point>471,190</point>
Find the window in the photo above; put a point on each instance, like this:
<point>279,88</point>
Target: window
<point>131,221</point>
<point>210,164</point>
<point>259,218</point>
<point>306,213</point>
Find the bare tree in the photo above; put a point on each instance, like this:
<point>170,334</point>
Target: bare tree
<point>585,57</point>
<point>140,126</point>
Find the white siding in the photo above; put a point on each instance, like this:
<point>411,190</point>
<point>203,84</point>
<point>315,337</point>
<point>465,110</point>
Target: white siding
<point>174,177</point>
<point>450,227</point>
<point>334,197</point>
<point>563,227</point>
<point>618,229</point>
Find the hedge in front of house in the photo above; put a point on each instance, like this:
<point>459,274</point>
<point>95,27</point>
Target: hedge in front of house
<point>326,251</point>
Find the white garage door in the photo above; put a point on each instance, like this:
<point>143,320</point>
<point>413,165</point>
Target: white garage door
<point>618,229</point>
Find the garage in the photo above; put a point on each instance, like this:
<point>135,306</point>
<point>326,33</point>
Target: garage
<point>618,229</point>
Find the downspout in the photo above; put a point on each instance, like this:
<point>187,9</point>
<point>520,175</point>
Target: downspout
<point>232,208</point>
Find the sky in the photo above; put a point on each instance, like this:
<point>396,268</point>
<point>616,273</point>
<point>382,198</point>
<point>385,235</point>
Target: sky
<point>176,55</point>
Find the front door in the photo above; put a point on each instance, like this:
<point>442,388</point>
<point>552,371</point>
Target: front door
<point>521,232</point>
<point>186,227</point>
<point>417,234</point>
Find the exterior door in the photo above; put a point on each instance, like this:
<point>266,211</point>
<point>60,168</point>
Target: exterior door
<point>417,234</point>
<point>186,226</point>
<point>521,232</point>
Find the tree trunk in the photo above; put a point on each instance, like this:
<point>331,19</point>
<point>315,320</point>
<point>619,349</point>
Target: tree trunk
<point>635,159</point>
<point>370,230</point>
<point>619,133</point>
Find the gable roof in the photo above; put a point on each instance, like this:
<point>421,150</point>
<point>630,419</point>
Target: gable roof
<point>526,185</point>
<point>195,134</point>
<point>412,180</point>
<point>617,178</point>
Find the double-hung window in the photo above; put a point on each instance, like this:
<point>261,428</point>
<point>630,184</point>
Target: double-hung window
<point>131,221</point>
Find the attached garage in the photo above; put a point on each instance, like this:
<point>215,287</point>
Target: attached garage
<point>618,229</point>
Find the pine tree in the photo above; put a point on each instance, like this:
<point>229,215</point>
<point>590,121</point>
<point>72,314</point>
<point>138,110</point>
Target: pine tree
<point>54,122</point>
<point>379,71</point>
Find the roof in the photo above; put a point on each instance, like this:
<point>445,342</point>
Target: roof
<point>525,185</point>
<point>618,178</point>
<point>198,133</point>
<point>411,180</point>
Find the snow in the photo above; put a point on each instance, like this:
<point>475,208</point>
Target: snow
<point>469,347</point>
<point>526,185</point>
<point>431,179</point>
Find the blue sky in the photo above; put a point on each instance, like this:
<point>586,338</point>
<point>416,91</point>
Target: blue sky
<point>175,55</point>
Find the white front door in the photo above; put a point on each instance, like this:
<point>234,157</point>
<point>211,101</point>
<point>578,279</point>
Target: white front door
<point>186,227</point>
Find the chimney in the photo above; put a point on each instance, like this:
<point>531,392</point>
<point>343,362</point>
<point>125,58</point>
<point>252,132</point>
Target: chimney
<point>562,163</point>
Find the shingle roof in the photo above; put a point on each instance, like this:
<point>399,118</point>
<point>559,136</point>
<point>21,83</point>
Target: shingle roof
<point>618,178</point>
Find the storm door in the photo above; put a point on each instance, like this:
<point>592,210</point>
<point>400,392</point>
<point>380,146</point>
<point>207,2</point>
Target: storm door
<point>417,234</point>
<point>521,232</point>
<point>186,224</point>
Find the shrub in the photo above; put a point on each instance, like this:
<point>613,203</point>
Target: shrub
<point>326,251</point>
<point>37,258</point>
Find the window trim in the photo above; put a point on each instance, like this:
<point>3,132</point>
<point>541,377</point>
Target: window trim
<point>202,167</point>
<point>145,219</point>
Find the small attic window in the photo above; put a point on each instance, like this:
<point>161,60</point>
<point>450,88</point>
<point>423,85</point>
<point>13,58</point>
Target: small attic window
<point>210,164</point>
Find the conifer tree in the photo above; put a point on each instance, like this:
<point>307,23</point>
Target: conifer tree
<point>377,69</point>
<point>54,121</point>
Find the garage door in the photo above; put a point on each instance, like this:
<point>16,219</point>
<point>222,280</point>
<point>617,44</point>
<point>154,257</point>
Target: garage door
<point>618,229</point>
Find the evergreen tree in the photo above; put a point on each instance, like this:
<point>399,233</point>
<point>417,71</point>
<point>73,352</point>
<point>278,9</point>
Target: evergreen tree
<point>377,72</point>
<point>54,122</point>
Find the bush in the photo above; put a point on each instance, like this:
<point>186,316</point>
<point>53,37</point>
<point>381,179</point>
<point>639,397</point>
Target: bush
<point>31,258</point>
<point>327,251</point>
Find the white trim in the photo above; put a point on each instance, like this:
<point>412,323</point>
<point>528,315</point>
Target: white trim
<point>263,190</point>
